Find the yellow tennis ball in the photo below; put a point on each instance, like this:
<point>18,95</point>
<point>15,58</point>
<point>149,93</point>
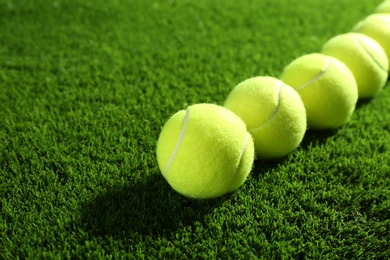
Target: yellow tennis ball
<point>327,88</point>
<point>384,7</point>
<point>273,112</point>
<point>376,26</point>
<point>364,57</point>
<point>205,151</point>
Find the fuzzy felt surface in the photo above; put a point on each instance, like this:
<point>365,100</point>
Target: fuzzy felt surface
<point>86,87</point>
<point>377,26</point>
<point>273,112</point>
<point>205,151</point>
<point>364,57</point>
<point>327,87</point>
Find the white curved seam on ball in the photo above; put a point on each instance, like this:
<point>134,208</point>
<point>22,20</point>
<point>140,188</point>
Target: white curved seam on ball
<point>327,65</point>
<point>369,54</point>
<point>181,137</point>
<point>279,90</point>
<point>239,161</point>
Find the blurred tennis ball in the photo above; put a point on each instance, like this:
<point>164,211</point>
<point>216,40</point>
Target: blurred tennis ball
<point>384,7</point>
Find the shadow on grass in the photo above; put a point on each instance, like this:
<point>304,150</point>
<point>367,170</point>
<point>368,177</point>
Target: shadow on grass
<point>146,208</point>
<point>151,207</point>
<point>363,102</point>
<point>261,166</point>
<point>316,137</point>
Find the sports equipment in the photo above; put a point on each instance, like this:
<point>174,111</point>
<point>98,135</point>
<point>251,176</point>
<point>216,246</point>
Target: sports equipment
<point>383,7</point>
<point>273,112</point>
<point>364,57</point>
<point>376,26</point>
<point>205,151</point>
<point>327,88</point>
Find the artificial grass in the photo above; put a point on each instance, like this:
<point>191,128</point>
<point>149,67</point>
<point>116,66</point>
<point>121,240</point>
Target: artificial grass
<point>86,87</point>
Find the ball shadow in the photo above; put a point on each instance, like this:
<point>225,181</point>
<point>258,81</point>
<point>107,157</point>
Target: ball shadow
<point>363,102</point>
<point>262,166</point>
<point>316,137</point>
<point>146,208</point>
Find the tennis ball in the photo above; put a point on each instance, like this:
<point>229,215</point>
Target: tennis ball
<point>364,57</point>
<point>383,7</point>
<point>205,151</point>
<point>273,113</point>
<point>327,88</point>
<point>376,26</point>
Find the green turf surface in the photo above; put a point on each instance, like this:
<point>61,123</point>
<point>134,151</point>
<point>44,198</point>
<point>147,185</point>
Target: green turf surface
<point>85,88</point>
